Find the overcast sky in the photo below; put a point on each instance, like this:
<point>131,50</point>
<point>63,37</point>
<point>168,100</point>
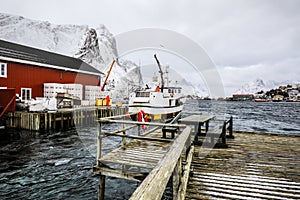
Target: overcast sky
<point>245,39</point>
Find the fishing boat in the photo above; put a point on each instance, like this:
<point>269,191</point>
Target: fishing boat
<point>260,100</point>
<point>159,101</point>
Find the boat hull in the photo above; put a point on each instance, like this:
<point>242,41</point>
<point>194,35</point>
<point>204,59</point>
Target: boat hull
<point>155,110</point>
<point>260,100</point>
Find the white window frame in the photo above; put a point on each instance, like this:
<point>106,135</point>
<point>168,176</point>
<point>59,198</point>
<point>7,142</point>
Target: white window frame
<point>3,71</point>
<point>30,94</point>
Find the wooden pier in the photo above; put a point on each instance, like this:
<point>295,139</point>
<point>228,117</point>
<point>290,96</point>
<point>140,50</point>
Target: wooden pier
<point>62,119</point>
<point>251,167</point>
<point>255,166</point>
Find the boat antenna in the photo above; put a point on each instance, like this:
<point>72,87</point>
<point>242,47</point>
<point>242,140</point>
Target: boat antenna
<point>161,73</point>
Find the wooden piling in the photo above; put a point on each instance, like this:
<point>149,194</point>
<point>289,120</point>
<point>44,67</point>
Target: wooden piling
<point>60,120</point>
<point>99,143</point>
<point>101,187</point>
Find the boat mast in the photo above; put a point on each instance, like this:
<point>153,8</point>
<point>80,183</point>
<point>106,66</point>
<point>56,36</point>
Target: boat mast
<point>161,73</point>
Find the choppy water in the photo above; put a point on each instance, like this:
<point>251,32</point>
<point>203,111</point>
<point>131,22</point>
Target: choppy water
<point>59,165</point>
<point>262,117</point>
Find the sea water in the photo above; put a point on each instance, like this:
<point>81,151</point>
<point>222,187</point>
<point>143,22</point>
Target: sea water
<point>59,165</point>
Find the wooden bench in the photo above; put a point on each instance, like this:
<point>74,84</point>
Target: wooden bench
<point>216,136</point>
<point>171,129</point>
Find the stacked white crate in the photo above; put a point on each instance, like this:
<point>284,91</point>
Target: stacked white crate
<point>51,89</point>
<point>92,93</point>
<point>74,89</point>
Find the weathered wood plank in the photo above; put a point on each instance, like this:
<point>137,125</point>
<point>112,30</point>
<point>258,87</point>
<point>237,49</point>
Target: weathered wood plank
<point>136,156</point>
<point>256,166</point>
<point>196,119</point>
<point>105,120</point>
<point>186,173</point>
<point>134,176</point>
<point>154,184</point>
<point>146,153</point>
<point>146,165</point>
<point>176,177</point>
<point>139,137</point>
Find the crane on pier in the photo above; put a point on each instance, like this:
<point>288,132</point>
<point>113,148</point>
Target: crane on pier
<point>108,73</point>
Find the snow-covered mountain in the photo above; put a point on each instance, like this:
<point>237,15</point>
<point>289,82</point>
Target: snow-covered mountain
<point>96,46</point>
<point>62,39</point>
<point>259,85</point>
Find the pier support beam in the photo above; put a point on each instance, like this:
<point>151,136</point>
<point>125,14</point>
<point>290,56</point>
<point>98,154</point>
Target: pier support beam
<point>99,143</point>
<point>101,187</point>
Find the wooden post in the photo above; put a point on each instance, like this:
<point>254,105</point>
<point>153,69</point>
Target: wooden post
<point>72,119</point>
<point>75,118</point>
<point>90,116</point>
<point>61,121</point>
<point>124,133</point>
<point>68,120</point>
<point>87,117</point>
<point>188,145</point>
<point>83,118</point>
<point>101,187</point>
<point>139,129</point>
<point>48,122</point>
<point>231,127</point>
<point>185,175</point>
<point>223,134</point>
<point>99,143</point>
<point>198,131</point>
<point>206,126</point>
<point>54,121</point>
<point>176,178</point>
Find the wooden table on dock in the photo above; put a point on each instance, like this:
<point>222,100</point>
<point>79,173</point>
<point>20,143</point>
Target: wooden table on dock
<point>197,121</point>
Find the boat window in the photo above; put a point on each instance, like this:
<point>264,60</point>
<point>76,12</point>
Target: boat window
<point>143,94</point>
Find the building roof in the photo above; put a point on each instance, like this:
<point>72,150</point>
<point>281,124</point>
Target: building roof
<point>28,55</point>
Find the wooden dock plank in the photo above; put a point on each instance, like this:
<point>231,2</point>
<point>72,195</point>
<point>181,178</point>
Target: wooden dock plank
<point>255,166</point>
<point>145,154</point>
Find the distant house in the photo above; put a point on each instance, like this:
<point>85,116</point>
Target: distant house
<point>242,97</point>
<point>277,97</point>
<point>26,69</point>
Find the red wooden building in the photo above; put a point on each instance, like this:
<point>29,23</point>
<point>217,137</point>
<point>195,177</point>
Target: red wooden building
<point>26,69</point>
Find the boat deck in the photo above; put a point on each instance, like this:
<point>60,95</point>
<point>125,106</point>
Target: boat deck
<point>255,166</point>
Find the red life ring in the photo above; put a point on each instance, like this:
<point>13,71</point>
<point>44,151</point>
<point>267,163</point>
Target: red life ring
<point>142,117</point>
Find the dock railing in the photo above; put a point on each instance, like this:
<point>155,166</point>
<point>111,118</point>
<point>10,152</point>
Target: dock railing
<point>229,127</point>
<point>155,183</point>
<point>169,167</point>
<point>121,119</point>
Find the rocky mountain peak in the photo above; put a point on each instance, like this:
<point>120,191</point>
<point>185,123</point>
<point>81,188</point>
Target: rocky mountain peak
<point>89,50</point>
<point>96,46</point>
<point>259,83</point>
